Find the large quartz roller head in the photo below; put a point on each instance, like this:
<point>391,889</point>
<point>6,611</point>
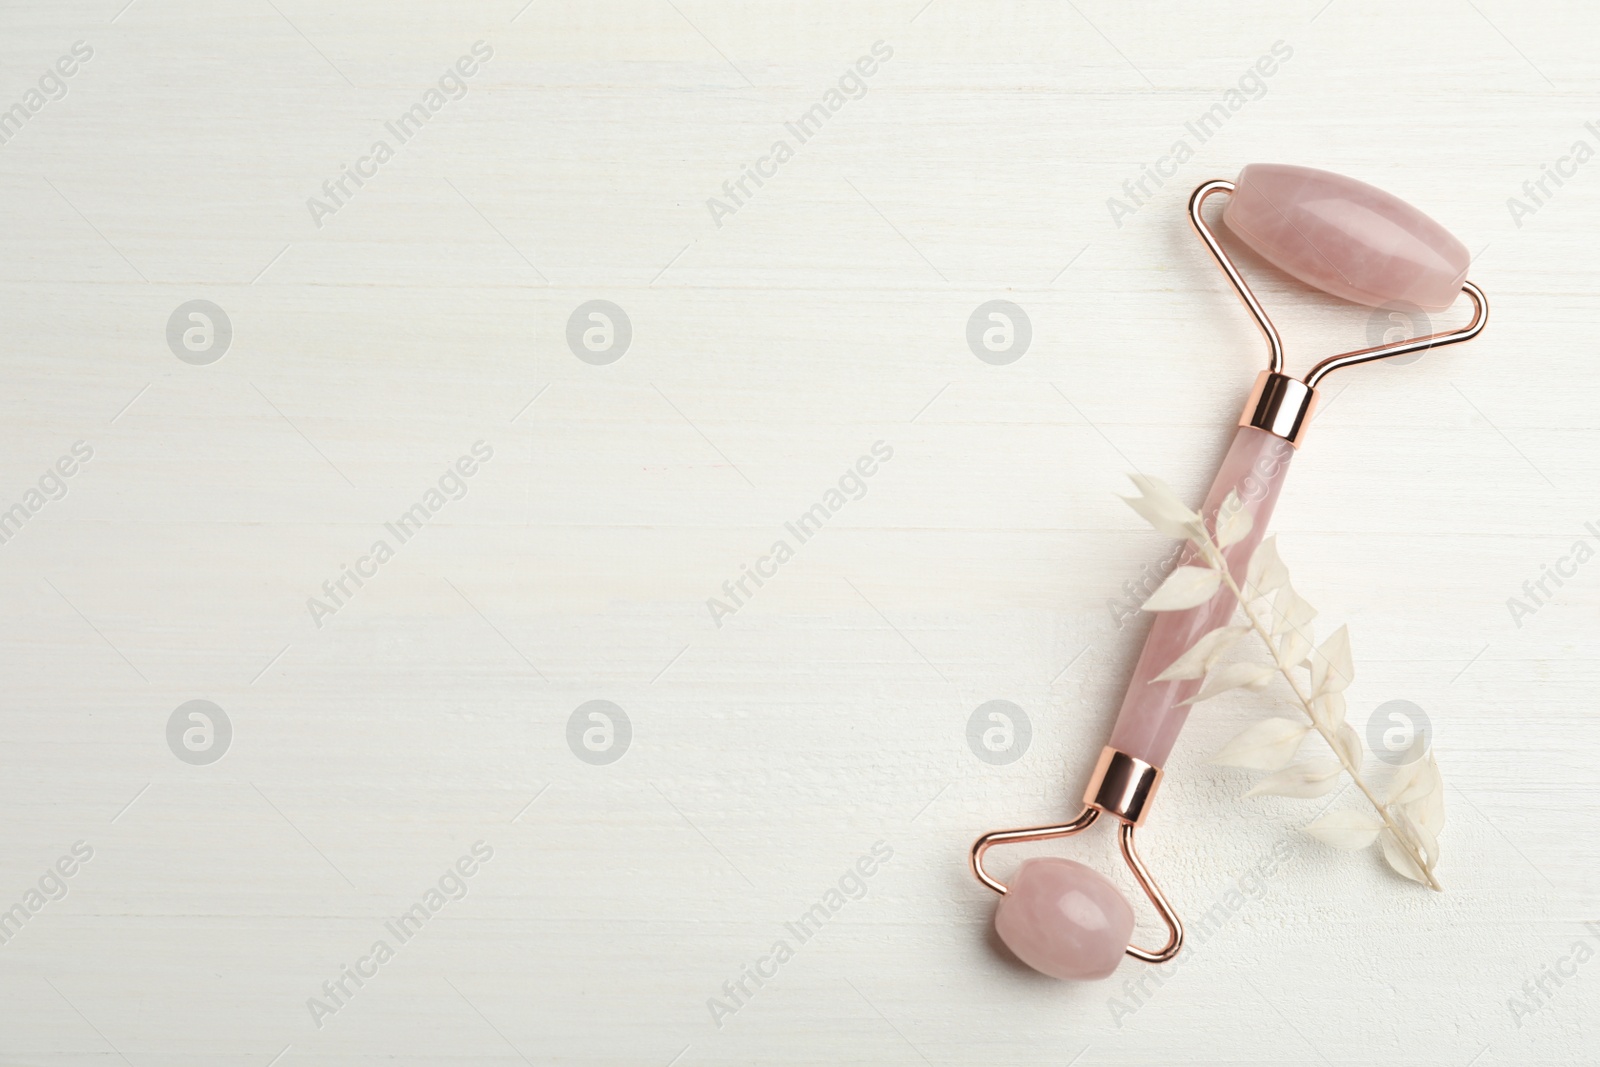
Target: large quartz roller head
<point>1346,237</point>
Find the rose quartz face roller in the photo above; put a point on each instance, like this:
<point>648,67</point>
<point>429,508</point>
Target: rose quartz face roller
<point>1346,238</point>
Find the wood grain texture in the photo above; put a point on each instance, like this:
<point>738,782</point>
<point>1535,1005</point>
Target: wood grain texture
<point>826,313</point>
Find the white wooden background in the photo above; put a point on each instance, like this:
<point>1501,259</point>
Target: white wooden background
<point>768,353</point>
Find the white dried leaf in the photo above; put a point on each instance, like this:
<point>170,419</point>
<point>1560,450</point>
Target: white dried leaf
<point>1399,857</point>
<point>1253,676</point>
<point>1160,494</point>
<point>1429,840</point>
<point>1328,711</point>
<point>1425,781</point>
<point>1332,668</point>
<point>1161,508</point>
<point>1295,644</point>
<point>1266,572</point>
<point>1162,523</point>
<point>1186,587</point>
<point>1290,612</point>
<point>1204,655</point>
<point>1266,746</point>
<point>1312,779</point>
<point>1233,521</point>
<point>1421,797</point>
<point>1404,776</point>
<point>1348,744</point>
<point>1414,752</point>
<point>1428,812</point>
<point>1346,829</point>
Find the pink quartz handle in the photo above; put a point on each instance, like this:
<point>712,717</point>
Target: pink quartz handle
<point>1152,712</point>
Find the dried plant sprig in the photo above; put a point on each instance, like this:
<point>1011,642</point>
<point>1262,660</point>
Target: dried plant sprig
<point>1405,821</point>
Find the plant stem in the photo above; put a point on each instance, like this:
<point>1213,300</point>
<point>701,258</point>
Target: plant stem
<point>1404,839</point>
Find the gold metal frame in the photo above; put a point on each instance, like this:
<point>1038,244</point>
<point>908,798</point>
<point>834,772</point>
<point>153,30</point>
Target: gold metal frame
<point>1283,405</point>
<point>1122,785</point>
